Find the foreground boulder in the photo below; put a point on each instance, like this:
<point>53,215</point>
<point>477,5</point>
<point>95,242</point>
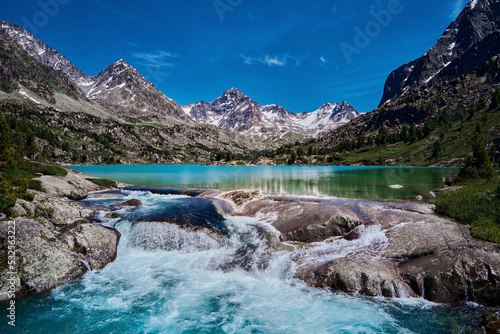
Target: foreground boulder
<point>44,260</point>
<point>358,274</point>
<point>54,242</point>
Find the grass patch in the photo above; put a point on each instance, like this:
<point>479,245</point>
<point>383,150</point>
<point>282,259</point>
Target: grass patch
<point>54,170</point>
<point>16,172</point>
<point>104,182</point>
<point>486,229</point>
<point>470,203</point>
<point>477,205</point>
<point>35,185</point>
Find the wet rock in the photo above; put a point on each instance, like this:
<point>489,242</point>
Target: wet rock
<point>455,276</point>
<point>42,261</point>
<point>45,259</point>
<point>358,274</point>
<point>130,202</point>
<point>437,257</point>
<point>335,226</point>
<point>490,323</point>
<point>113,215</point>
<point>96,244</point>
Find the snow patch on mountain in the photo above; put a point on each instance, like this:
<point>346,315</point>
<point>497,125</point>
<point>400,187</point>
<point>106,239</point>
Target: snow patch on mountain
<point>236,111</point>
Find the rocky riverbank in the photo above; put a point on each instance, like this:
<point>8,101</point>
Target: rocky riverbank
<point>378,248</point>
<point>52,238</point>
<point>353,246</point>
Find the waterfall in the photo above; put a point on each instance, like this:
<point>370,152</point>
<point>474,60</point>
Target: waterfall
<point>371,239</point>
<point>165,236</point>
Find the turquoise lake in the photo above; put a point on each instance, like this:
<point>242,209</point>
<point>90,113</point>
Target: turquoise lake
<point>314,181</point>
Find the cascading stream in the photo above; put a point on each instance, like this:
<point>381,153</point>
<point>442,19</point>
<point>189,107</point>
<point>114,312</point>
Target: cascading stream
<point>227,278</point>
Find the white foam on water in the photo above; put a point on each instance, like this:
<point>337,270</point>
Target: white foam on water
<point>234,286</point>
<point>372,240</point>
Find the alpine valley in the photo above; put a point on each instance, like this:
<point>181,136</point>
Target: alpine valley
<point>236,246</point>
<point>119,116</point>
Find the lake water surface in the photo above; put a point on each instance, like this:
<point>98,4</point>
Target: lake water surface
<point>316,181</point>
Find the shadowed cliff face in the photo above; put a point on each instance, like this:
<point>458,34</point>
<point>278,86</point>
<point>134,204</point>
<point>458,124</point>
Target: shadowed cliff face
<point>476,23</point>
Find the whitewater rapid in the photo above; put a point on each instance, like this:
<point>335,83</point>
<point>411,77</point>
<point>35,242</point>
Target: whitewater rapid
<point>222,279</point>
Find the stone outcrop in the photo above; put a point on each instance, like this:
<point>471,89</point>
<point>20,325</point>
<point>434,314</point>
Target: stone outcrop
<point>358,274</point>
<point>45,260</point>
<point>74,186</point>
<point>55,243</point>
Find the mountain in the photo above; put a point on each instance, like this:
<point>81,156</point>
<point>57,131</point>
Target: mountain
<point>119,89</point>
<point>433,105</point>
<point>90,119</point>
<point>127,94</point>
<point>236,111</point>
<point>39,50</point>
<point>20,72</point>
<point>453,53</point>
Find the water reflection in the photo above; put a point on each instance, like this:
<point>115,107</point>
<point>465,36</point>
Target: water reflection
<point>324,181</point>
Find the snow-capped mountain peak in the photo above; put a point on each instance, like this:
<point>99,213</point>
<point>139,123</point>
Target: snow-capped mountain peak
<point>234,110</point>
<point>39,50</point>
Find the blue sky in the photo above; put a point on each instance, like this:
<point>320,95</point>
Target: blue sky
<point>298,54</point>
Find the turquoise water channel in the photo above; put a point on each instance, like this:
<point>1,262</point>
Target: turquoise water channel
<point>384,183</point>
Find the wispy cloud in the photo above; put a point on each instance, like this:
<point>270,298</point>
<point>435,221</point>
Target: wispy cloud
<point>456,7</point>
<point>247,60</point>
<point>158,59</point>
<point>274,61</point>
<point>322,62</point>
<point>122,13</point>
<point>251,16</point>
<point>282,60</point>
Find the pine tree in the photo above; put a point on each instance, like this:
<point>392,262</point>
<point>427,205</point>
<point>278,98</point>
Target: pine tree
<point>478,165</point>
<point>5,139</point>
<point>495,103</point>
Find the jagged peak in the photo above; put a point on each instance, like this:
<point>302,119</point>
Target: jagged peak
<point>234,91</point>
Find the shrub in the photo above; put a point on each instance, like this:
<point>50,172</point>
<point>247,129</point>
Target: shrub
<point>486,229</point>
<point>51,170</point>
<point>7,196</point>
<point>103,182</point>
<point>468,204</point>
<point>478,205</point>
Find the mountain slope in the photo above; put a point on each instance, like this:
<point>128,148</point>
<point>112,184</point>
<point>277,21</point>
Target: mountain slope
<point>74,126</point>
<point>236,111</point>
<point>19,71</point>
<point>39,50</point>
<point>478,20</point>
<point>432,121</point>
<point>119,89</point>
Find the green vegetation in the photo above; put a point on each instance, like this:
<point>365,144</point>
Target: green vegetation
<point>103,182</point>
<point>51,170</point>
<point>478,203</point>
<point>17,147</point>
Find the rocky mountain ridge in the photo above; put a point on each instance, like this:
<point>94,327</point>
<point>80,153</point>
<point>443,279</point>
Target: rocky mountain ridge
<point>478,21</point>
<point>100,124</point>
<point>236,111</point>
<point>443,96</point>
<point>119,88</point>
